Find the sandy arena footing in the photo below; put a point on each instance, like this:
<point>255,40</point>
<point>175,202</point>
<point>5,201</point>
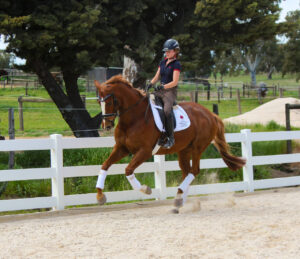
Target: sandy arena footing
<point>265,224</point>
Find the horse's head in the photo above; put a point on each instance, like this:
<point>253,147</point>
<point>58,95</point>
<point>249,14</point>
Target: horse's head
<point>109,105</point>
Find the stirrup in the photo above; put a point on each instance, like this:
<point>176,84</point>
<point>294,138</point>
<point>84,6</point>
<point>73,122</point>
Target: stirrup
<point>170,142</point>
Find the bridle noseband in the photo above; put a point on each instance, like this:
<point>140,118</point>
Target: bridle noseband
<point>115,113</point>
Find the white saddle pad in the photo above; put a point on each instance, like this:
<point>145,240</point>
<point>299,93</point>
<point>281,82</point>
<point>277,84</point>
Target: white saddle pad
<point>182,119</point>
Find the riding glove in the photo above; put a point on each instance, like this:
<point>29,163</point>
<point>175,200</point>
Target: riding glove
<point>149,86</point>
<point>159,87</point>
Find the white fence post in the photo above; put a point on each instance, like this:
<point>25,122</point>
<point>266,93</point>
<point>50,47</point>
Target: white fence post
<point>247,153</point>
<point>58,180</point>
<point>160,176</point>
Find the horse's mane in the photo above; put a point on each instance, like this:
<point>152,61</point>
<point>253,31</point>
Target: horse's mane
<point>119,79</point>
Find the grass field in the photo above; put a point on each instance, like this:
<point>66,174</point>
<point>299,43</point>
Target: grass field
<point>43,119</point>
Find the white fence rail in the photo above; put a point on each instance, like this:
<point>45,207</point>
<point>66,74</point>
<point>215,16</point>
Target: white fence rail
<point>57,172</point>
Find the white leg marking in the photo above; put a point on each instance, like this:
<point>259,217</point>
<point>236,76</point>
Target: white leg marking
<point>101,179</point>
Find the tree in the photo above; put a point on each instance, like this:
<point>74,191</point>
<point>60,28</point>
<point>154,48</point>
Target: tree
<point>6,59</point>
<point>70,35</point>
<point>223,25</point>
<point>272,57</point>
<point>291,63</point>
<point>75,35</point>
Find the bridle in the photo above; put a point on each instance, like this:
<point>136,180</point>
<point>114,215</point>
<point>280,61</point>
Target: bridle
<point>115,102</point>
<point>115,113</point>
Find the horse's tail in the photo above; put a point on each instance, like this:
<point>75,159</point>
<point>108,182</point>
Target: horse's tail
<point>233,162</point>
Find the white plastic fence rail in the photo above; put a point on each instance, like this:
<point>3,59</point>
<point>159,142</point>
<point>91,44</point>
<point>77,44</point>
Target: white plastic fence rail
<point>57,172</point>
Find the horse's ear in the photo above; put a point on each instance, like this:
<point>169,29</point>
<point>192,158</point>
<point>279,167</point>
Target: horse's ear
<point>97,84</point>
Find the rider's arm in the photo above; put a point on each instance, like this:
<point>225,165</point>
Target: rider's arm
<point>176,74</point>
<point>156,77</point>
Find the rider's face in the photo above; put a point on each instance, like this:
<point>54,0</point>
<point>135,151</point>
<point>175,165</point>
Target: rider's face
<point>170,54</point>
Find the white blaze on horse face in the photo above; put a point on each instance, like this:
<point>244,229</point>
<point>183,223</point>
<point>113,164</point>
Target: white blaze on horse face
<point>103,107</point>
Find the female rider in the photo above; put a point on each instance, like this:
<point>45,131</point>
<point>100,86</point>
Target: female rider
<point>168,72</point>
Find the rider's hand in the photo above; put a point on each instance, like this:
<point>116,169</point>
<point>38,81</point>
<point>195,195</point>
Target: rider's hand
<point>148,87</point>
<point>159,87</point>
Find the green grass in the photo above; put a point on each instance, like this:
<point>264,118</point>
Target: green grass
<point>42,119</point>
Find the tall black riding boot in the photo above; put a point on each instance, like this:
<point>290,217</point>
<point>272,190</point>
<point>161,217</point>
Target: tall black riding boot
<point>169,131</point>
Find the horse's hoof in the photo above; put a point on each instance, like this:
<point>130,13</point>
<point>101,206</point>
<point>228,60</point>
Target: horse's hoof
<point>175,211</point>
<point>101,199</point>
<point>178,202</point>
<point>146,189</point>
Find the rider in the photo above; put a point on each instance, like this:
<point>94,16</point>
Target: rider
<point>168,72</point>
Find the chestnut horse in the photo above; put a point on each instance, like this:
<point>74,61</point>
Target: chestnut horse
<point>136,133</point>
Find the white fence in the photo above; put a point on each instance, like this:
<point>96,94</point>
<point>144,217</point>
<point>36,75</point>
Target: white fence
<point>57,172</point>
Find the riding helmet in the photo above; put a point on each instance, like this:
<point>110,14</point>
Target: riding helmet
<point>171,44</point>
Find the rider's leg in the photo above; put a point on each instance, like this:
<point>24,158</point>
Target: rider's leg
<point>169,100</point>
<point>169,131</point>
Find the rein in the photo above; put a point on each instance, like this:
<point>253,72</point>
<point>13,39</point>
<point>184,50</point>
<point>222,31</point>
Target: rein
<point>116,113</point>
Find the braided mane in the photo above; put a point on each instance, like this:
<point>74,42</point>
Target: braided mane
<point>119,79</point>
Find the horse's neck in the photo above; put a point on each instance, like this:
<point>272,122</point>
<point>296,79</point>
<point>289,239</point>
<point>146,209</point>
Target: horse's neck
<point>133,106</point>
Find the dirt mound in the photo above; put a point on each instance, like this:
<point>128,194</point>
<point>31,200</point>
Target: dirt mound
<point>270,111</point>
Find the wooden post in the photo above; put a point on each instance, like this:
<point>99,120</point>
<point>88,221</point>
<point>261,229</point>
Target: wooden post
<point>11,82</point>
<point>215,109</point>
<point>248,173</point>
<point>196,96</point>
<point>239,100</point>
<point>259,96</point>
<point>11,133</point>
<point>160,177</point>
<point>244,86</point>
<point>57,180</point>
<point>192,96</point>
<point>288,127</point>
<point>21,121</point>
<point>219,97</point>
<point>230,92</point>
<point>26,89</point>
<point>280,92</point>
<point>208,93</point>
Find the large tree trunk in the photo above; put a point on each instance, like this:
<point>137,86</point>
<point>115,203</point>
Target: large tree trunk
<point>131,73</point>
<point>70,106</point>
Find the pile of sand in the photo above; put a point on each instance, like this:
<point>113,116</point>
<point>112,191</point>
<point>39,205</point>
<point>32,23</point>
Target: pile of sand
<point>270,111</point>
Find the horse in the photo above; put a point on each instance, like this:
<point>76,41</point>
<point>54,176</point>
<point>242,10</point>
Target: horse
<point>137,134</point>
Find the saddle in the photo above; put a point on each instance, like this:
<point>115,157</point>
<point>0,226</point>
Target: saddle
<point>181,119</point>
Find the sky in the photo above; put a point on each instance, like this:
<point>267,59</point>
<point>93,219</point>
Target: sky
<point>286,6</point>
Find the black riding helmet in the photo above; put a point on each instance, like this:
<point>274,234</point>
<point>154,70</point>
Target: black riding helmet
<point>171,44</point>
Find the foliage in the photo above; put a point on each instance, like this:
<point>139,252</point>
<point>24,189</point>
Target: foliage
<point>76,35</point>
<point>292,47</point>
<point>6,59</point>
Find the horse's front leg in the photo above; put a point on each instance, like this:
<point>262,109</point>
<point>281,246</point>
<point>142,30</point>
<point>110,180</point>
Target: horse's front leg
<point>137,160</point>
<point>118,153</point>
